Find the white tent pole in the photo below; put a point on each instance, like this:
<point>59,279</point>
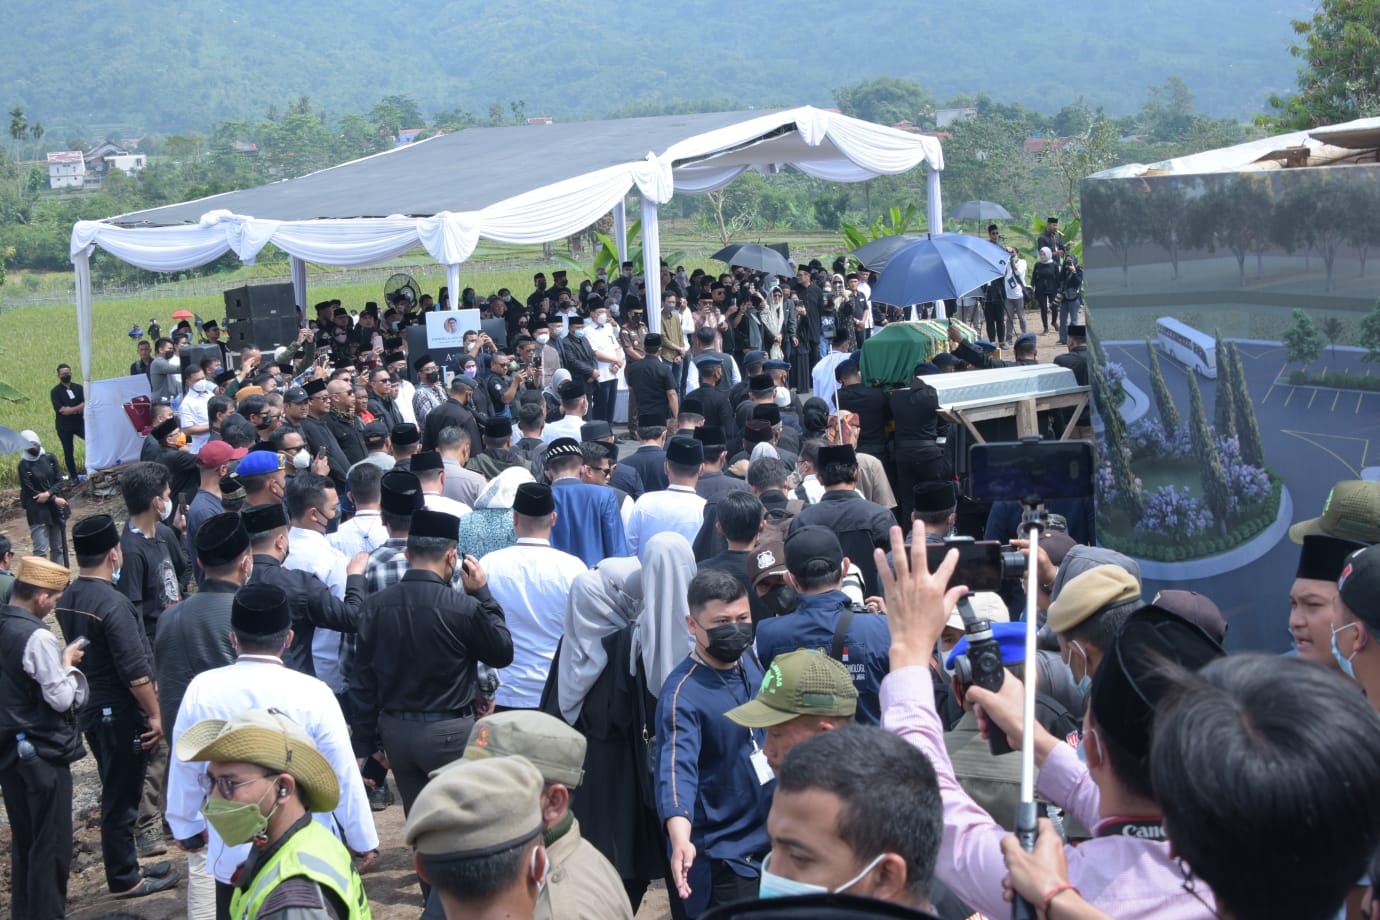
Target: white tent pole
<point>299,284</point>
<point>651,264</point>
<point>936,203</point>
<point>453,285</point>
<point>620,232</point>
<point>82,262</point>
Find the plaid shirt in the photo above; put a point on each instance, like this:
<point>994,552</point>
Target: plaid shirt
<point>387,565</point>
<point>425,399</point>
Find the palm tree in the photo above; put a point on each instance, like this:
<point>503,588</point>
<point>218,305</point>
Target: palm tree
<point>19,125</point>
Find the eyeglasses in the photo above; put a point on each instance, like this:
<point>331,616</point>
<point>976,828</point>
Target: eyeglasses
<point>227,786</point>
<point>605,470</point>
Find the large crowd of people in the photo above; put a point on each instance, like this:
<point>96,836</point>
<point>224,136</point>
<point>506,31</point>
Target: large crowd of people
<point>609,608</point>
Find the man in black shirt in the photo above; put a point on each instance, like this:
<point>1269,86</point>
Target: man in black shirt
<point>121,707</point>
<point>414,684</point>
<point>311,601</point>
<point>713,398</point>
<point>145,359</point>
<point>651,383</point>
<point>918,454</point>
<point>871,406</point>
<point>154,568</point>
<point>69,401</point>
<point>738,521</point>
<point>454,412</point>
<point>810,307</point>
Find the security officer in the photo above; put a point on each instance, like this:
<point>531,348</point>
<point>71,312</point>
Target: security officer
<point>826,619</point>
<point>414,684</point>
<point>1076,359</point>
<point>121,704</point>
<point>713,784</point>
<point>871,406</point>
<point>41,691</point>
<point>1024,350</point>
<point>713,398</point>
<point>313,605</point>
<point>861,525</point>
<point>919,456</point>
<point>580,882</point>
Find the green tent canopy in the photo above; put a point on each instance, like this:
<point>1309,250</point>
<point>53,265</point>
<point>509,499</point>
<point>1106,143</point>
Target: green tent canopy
<point>892,353</point>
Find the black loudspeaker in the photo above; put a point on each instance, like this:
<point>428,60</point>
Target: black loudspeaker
<point>263,315</point>
<point>260,301</point>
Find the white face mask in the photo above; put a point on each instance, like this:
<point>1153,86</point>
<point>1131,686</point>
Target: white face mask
<point>774,886</point>
<point>167,508</point>
<point>543,338</point>
<point>302,459</point>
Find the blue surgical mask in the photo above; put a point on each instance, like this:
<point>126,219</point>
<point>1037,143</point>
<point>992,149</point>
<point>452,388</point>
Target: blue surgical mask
<point>1344,661</point>
<point>1084,685</point>
<point>774,886</point>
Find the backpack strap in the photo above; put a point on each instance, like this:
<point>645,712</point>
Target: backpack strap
<point>841,633</point>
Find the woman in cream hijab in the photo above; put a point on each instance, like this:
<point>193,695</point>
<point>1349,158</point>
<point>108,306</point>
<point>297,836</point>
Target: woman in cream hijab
<point>489,526</point>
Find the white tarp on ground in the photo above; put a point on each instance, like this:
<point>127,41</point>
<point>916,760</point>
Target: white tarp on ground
<point>326,217</point>
<point>110,436</point>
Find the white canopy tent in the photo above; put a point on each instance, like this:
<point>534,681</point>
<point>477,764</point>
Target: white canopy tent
<point>527,184</point>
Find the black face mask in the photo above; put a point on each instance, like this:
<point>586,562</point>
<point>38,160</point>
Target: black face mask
<point>728,642</point>
<point>433,376</point>
<point>780,600</point>
<point>66,378</point>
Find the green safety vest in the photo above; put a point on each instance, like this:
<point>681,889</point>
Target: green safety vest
<point>312,852</point>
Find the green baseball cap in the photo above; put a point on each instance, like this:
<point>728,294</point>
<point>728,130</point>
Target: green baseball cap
<point>804,682</point>
<point>1352,512</point>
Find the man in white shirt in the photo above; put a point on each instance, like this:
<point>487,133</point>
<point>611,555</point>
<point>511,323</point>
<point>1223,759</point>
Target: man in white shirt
<point>677,507</point>
<point>430,471</point>
<point>364,532</point>
<point>825,380</point>
<point>602,336</point>
<point>192,414</point>
<point>259,624</point>
<point>575,405</point>
<point>312,504</point>
<point>531,581</point>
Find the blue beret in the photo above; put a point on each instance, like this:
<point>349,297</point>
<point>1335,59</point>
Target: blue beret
<point>257,462</point>
<point>943,360</point>
<point>1027,338</point>
<point>754,357</point>
<point>1010,638</point>
<point>985,346</point>
<point>776,365</point>
<point>707,359</point>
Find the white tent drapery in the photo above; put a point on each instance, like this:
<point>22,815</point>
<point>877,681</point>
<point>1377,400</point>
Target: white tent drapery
<point>817,142</point>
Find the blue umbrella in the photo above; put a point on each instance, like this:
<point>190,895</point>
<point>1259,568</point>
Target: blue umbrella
<point>875,255</point>
<point>943,267</point>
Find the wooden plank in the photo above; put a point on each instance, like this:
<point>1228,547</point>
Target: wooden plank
<point>1026,422</point>
<point>1073,420</point>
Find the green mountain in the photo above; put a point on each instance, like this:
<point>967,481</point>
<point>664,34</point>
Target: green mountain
<point>94,67</point>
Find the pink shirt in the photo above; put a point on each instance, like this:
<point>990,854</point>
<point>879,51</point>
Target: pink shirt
<point>1126,877</point>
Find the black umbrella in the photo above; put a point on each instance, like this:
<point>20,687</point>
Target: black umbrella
<point>10,441</point>
<point>980,210</point>
<point>755,256</point>
<point>876,254</point>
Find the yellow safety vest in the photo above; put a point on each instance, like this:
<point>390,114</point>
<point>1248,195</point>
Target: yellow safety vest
<point>312,852</point>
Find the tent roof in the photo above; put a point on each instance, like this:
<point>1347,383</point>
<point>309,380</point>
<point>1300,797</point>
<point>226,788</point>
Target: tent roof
<point>475,168</point>
<point>464,171</point>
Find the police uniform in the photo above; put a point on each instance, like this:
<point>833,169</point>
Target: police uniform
<point>414,682</point>
<point>39,698</point>
<point>580,882</point>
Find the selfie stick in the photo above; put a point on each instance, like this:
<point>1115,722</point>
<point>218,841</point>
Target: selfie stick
<point>1032,522</point>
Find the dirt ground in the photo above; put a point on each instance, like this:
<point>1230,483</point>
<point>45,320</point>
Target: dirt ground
<point>391,882</point>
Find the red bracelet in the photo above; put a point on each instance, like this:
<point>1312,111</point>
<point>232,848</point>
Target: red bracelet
<point>1055,892</point>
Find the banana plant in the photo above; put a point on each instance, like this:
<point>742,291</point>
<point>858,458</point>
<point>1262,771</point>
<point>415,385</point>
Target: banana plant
<point>894,222</point>
<point>606,254</point>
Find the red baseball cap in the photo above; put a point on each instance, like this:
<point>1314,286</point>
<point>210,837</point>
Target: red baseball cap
<point>217,453</point>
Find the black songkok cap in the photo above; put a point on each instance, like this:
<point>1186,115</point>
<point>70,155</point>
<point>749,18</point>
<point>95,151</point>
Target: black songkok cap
<point>263,518</point>
<point>934,496</point>
<point>841,454</point>
<point>400,493</point>
<point>260,610</point>
<point>95,535</point>
<point>1323,558</point>
<point>428,523</point>
<point>404,433</point>
<point>221,539</point>
<point>427,460</point>
<point>534,499</point>
<point>684,451</point>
